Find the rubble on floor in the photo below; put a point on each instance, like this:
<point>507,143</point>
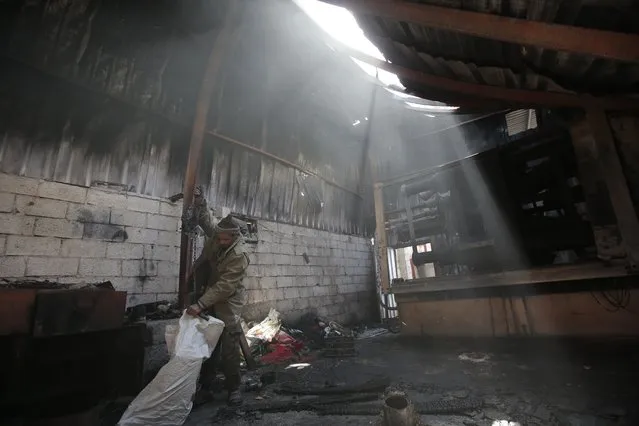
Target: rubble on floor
<point>271,342</point>
<point>451,383</point>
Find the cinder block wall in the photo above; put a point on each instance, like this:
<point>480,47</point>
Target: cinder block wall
<point>297,270</point>
<point>67,233</point>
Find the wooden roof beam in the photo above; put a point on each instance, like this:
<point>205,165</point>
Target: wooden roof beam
<point>510,97</point>
<point>565,38</point>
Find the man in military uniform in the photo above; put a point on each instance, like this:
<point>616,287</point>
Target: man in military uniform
<point>222,265</point>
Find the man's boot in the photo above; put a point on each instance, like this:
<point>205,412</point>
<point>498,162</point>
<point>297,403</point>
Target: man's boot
<point>235,397</point>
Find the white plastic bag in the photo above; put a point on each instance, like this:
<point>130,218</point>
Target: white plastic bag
<point>168,399</point>
<point>170,334</point>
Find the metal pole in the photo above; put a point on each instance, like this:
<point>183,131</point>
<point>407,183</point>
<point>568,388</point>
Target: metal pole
<point>223,39</point>
<point>380,222</point>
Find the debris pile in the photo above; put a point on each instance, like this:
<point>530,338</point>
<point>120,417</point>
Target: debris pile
<point>271,344</point>
<point>333,329</point>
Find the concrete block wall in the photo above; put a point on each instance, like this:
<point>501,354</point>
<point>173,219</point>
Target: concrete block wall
<point>71,234</point>
<point>67,233</point>
<point>298,270</point>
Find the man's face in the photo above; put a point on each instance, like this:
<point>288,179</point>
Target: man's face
<point>225,239</point>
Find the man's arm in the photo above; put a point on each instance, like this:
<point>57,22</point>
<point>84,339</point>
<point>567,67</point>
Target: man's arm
<point>205,222</point>
<point>232,271</point>
<point>202,213</point>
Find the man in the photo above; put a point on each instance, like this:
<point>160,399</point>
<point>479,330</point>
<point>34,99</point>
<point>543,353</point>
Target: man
<point>224,260</point>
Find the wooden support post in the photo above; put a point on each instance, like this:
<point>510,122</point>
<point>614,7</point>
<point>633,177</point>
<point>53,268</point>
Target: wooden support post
<point>615,179</point>
<point>216,57</point>
<point>380,227</point>
<point>591,177</point>
<point>246,351</point>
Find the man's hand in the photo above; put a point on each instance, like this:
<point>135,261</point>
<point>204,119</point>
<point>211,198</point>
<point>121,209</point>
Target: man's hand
<point>198,196</point>
<point>194,310</point>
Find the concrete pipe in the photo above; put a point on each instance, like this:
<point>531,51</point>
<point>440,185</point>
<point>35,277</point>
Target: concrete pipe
<point>399,411</point>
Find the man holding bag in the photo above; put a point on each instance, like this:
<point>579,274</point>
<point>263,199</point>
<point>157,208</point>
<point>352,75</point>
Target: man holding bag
<point>222,267</point>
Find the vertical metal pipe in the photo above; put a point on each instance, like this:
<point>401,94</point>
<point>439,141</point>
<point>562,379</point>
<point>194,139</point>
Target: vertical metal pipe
<point>211,72</point>
<point>380,241</point>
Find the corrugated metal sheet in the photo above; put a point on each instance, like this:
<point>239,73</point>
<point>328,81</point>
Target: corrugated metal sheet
<point>244,182</point>
<point>104,76</point>
<point>476,60</point>
<point>520,120</point>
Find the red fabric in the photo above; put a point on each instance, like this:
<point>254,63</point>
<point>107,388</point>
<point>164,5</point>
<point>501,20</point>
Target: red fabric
<point>279,354</point>
<point>287,339</point>
<point>285,348</point>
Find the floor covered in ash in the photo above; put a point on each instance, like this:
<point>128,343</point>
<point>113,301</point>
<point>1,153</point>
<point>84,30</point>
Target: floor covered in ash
<point>531,382</point>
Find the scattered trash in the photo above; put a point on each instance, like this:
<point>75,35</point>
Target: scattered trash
<point>274,344</point>
<point>252,385</point>
<point>476,357</point>
<point>331,328</point>
<point>266,330</point>
<point>372,332</point>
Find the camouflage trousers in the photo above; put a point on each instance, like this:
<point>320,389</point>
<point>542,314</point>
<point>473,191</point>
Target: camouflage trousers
<point>227,357</point>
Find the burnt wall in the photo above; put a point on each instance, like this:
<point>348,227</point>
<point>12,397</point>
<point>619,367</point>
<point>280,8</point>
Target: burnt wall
<point>105,91</point>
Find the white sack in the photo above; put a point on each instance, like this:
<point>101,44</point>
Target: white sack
<point>168,399</point>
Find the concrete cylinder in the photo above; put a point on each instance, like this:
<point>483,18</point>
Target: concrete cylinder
<point>399,411</point>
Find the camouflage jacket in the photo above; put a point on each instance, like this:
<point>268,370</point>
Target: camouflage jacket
<point>224,290</point>
<point>227,273</point>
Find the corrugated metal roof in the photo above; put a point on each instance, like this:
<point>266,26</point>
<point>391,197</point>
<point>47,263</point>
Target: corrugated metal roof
<point>476,60</point>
